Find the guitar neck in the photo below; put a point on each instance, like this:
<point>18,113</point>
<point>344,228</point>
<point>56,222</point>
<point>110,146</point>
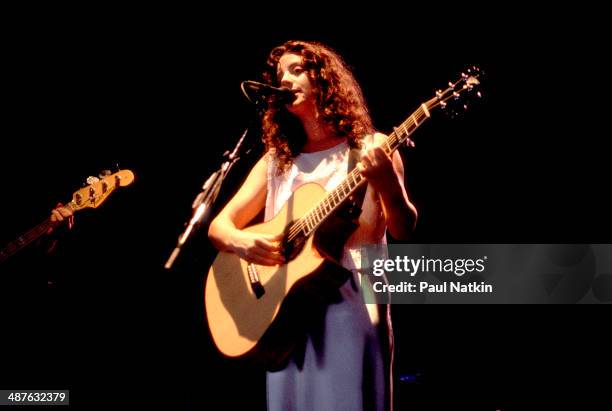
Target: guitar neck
<point>28,237</point>
<point>355,179</point>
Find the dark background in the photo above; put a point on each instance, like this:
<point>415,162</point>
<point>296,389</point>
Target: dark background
<point>158,93</point>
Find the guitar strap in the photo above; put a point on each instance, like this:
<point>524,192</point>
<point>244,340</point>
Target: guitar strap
<point>355,200</point>
<point>331,236</point>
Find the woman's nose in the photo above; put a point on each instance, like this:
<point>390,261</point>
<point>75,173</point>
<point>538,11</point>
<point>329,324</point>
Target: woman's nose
<point>286,80</point>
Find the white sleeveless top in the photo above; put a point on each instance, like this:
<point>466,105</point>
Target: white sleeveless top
<point>328,168</point>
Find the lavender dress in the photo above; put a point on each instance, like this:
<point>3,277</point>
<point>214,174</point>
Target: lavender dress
<point>344,362</point>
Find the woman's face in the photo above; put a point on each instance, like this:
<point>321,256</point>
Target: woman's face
<point>291,74</point>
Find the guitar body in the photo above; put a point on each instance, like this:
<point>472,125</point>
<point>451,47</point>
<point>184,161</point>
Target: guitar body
<point>248,321</point>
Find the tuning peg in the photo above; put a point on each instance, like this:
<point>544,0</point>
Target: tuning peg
<point>104,173</point>
<point>92,180</point>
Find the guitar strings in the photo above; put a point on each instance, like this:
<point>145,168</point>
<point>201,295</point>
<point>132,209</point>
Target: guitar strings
<point>302,225</point>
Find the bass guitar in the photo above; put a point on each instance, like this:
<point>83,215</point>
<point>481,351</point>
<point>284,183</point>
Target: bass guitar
<point>91,196</point>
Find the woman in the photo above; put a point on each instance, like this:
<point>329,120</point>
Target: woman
<point>343,363</point>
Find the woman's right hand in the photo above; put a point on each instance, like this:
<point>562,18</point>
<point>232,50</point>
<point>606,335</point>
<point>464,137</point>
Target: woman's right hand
<point>262,249</point>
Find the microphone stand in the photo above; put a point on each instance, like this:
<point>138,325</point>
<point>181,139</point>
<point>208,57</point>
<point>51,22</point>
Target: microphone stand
<point>205,199</point>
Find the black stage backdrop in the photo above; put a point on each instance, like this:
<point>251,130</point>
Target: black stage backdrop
<point>159,94</point>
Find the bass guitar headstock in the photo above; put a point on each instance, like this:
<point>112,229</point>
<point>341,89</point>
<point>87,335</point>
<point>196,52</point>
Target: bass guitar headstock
<point>98,189</point>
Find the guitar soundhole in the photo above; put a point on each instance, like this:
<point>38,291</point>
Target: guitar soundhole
<point>293,244</point>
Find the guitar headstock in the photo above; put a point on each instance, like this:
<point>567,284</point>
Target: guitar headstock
<point>98,189</point>
<point>459,92</point>
<point>456,92</point>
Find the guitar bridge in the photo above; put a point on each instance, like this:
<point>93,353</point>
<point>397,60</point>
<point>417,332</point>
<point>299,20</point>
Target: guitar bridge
<point>254,280</point>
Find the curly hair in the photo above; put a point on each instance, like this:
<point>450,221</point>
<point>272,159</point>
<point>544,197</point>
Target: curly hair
<point>339,100</point>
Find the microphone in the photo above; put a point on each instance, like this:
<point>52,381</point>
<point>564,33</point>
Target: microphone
<point>259,90</point>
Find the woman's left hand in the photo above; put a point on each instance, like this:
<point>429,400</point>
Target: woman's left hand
<point>376,166</point>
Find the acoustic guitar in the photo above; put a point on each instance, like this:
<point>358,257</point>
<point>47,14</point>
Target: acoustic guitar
<point>245,303</point>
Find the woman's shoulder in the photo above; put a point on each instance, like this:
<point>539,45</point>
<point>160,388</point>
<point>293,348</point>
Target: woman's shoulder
<point>373,139</point>
<point>270,156</point>
<point>379,138</point>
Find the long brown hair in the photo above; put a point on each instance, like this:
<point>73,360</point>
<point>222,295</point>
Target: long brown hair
<point>339,99</point>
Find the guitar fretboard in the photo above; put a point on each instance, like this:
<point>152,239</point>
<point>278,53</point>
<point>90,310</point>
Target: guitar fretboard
<point>309,222</point>
<point>27,238</point>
